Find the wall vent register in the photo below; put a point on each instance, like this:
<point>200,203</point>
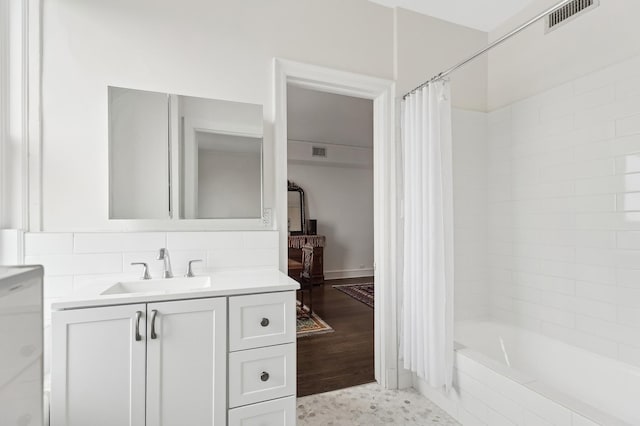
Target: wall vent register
<point>318,151</point>
<point>571,11</point>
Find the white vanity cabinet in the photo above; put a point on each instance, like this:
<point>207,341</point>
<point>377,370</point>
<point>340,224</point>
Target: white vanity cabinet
<point>177,359</point>
<point>112,364</point>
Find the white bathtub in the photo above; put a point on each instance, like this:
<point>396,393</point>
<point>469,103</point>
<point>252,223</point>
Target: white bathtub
<point>510,376</point>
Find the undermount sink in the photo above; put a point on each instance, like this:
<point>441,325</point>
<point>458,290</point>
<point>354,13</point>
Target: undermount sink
<point>161,285</point>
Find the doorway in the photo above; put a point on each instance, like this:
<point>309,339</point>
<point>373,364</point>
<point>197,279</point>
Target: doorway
<point>331,238</point>
<point>385,207</point>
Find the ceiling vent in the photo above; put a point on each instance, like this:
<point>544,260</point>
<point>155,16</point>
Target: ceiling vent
<point>568,12</point>
<point>318,151</point>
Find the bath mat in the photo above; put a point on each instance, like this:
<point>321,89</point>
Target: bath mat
<point>362,292</point>
<point>309,325</point>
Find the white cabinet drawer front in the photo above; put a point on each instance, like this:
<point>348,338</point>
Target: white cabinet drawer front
<point>262,374</point>
<point>280,412</point>
<point>262,320</point>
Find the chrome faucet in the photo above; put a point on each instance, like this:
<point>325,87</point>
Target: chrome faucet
<point>164,255</point>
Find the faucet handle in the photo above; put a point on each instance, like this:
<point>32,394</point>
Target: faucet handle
<point>145,274</point>
<point>163,253</point>
<point>190,269</point>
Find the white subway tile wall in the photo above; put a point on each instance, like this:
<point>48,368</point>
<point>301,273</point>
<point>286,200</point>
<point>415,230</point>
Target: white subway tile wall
<point>75,260</point>
<point>470,214</point>
<point>564,212</point>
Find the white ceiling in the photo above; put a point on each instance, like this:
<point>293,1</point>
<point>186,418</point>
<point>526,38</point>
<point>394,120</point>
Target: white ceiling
<point>483,15</point>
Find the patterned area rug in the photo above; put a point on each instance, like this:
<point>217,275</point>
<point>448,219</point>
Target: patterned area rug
<point>309,325</point>
<point>362,292</point>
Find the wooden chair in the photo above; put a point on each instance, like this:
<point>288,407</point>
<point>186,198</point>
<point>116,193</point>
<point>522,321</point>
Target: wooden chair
<point>306,282</point>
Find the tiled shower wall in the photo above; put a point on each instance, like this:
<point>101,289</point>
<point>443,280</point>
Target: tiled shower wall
<point>564,212</point>
<point>73,260</point>
<point>470,214</point>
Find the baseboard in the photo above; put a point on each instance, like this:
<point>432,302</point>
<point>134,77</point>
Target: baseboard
<point>348,273</point>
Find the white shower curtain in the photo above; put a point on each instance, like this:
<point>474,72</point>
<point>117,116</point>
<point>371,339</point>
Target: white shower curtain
<point>427,322</point>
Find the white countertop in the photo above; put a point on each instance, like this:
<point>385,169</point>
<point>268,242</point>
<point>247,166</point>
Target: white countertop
<point>223,283</point>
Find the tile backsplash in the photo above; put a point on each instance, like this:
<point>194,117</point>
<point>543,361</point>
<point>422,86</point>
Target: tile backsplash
<point>564,212</point>
<point>73,260</point>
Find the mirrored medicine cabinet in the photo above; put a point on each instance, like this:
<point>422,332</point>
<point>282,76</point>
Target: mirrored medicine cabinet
<point>183,157</point>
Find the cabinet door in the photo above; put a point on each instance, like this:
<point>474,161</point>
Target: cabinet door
<point>186,363</point>
<point>98,367</point>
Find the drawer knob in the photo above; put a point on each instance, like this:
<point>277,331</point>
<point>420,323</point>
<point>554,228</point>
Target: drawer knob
<point>264,322</point>
<point>264,376</point>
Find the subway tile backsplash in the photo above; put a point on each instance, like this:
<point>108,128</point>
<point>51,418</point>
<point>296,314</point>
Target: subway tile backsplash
<point>564,212</point>
<point>118,242</point>
<point>73,261</point>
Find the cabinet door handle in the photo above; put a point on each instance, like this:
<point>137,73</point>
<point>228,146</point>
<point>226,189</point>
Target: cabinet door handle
<point>264,322</point>
<point>138,316</point>
<point>264,376</point>
<point>154,314</point>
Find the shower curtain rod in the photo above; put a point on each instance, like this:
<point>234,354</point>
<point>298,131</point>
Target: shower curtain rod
<point>491,46</point>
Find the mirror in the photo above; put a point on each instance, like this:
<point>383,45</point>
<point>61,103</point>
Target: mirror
<point>222,159</point>
<point>138,154</point>
<point>295,209</point>
<point>213,146</point>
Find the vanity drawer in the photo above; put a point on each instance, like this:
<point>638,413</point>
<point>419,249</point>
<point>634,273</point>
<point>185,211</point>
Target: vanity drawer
<point>262,320</point>
<point>280,412</point>
<point>261,374</point>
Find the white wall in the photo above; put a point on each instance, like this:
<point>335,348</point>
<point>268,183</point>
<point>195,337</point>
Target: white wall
<point>564,211</point>
<point>341,199</point>
<point>426,46</point>
<point>533,62</point>
<point>220,50</point>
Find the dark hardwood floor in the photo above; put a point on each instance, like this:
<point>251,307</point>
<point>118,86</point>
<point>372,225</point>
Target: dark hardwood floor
<point>345,357</point>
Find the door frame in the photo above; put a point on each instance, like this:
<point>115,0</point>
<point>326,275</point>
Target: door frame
<point>382,92</point>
